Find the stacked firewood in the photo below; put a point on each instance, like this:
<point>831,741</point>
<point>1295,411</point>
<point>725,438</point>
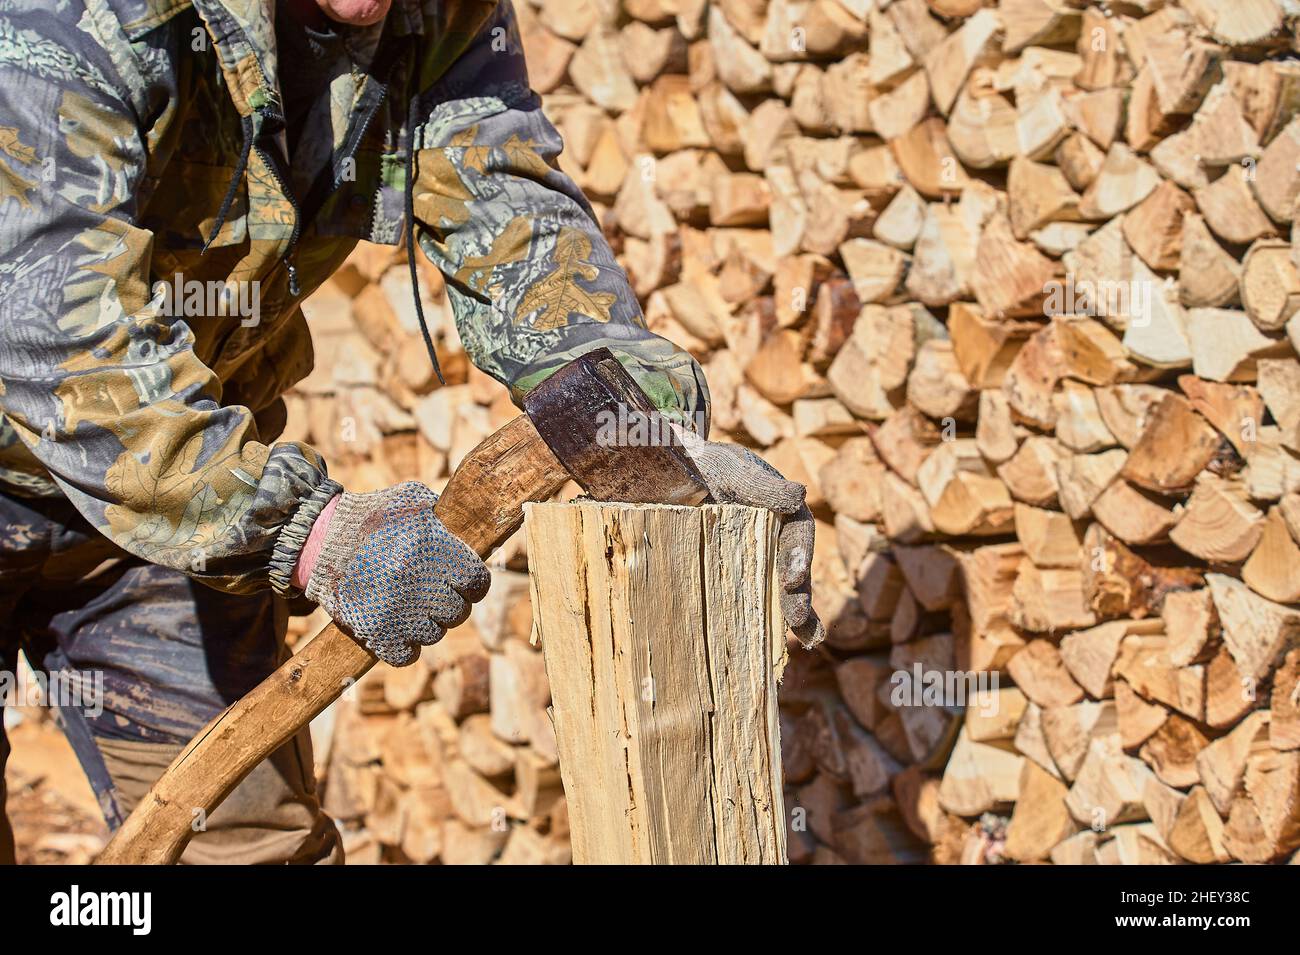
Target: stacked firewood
<point>1009,287</point>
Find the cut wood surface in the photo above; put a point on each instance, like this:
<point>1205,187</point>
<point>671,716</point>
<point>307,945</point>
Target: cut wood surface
<point>664,645</point>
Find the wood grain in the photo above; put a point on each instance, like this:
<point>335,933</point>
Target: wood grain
<point>664,644</point>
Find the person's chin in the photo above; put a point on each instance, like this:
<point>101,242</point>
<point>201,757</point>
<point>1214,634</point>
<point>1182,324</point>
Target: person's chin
<point>357,13</point>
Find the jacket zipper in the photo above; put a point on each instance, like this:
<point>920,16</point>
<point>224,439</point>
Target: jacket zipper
<point>273,164</point>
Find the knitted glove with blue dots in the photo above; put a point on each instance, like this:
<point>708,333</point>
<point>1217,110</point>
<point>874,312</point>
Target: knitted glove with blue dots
<point>392,575</point>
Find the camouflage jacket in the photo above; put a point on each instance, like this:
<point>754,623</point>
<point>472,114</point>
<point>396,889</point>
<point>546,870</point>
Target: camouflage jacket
<point>132,130</point>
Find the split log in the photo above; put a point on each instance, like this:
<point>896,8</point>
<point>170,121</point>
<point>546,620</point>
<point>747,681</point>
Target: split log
<point>904,440</point>
<point>1273,570</point>
<point>1138,719</point>
<point>1081,478</point>
<point>1256,631</point>
<point>656,676</point>
<point>985,348</point>
<point>1284,710</point>
<point>1041,675</point>
<point>1069,730</point>
<point>1171,752</point>
<point>1219,523</point>
<point>1040,821</point>
<point>1122,583</point>
<point>1109,787</point>
<point>1222,764</point>
<point>979,777</point>
<point>988,577</point>
<point>1192,623</point>
<point>1090,654</point>
<point>1264,821</point>
<point>1145,666</point>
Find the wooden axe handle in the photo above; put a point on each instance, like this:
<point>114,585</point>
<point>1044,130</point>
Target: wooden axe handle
<point>482,505</point>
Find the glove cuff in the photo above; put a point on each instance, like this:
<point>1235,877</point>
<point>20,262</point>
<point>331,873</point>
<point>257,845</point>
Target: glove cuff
<point>293,535</point>
<point>340,544</point>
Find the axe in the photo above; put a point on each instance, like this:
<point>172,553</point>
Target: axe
<point>560,436</point>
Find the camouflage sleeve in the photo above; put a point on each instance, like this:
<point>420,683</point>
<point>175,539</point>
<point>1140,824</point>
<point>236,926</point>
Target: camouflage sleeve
<point>105,392</point>
<point>532,281</point>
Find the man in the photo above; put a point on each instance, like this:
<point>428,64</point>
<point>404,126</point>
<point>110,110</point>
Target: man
<point>151,530</point>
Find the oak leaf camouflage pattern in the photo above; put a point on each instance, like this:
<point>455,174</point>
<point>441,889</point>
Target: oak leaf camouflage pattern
<point>131,131</point>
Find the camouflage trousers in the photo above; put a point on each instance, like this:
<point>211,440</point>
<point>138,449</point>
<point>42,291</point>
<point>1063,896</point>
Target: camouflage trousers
<point>136,658</point>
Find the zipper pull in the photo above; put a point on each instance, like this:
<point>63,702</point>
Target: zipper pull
<point>294,289</point>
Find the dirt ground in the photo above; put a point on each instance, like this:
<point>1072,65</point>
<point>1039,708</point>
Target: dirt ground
<point>51,807</point>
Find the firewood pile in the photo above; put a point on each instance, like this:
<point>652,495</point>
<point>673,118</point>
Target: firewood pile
<point>1009,287</point>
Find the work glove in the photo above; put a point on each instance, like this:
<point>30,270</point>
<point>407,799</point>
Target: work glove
<point>391,574</point>
<point>736,475</point>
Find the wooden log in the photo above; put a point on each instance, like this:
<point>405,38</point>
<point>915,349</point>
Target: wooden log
<point>1237,411</point>
<point>1284,710</point>
<point>1120,582</point>
<point>976,42</point>
<point>1011,278</point>
<point>904,440</point>
<point>1231,211</point>
<point>996,433</point>
<point>851,479</point>
<point>1123,181</point>
<point>1207,275</point>
<point>1144,664</point>
<point>979,777</point>
<point>1134,515</point>
<point>1264,821</point>
<point>1191,621</point>
<point>962,494</point>
<point>636,698</point>
<point>1229,694</point>
<point>1171,751</point>
<point>1154,228</point>
<point>1030,473</point>
<point>985,348</point>
<point>1031,380</point>
<point>1039,672</point>
<point>1219,523</point>
<point>994,714</point>
<point>1197,832</point>
<point>1079,425</point>
<point>1273,570</point>
<point>1109,787</point>
<point>600,72</point>
<point>988,577</point>
<point>1090,654</point>
<point>927,159</point>
<point>1029,740</point>
<point>1138,719</point>
<point>1040,820</point>
<point>1102,50</point>
<point>944,257</point>
<point>1256,631</point>
<point>1276,181</point>
<point>1081,478</point>
<point>870,372</point>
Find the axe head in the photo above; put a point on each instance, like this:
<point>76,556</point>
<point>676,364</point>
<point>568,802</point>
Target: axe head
<point>601,426</point>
